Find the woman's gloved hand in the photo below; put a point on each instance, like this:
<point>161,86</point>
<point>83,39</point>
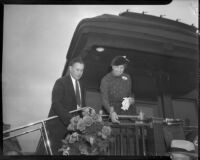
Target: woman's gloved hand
<point>113,116</point>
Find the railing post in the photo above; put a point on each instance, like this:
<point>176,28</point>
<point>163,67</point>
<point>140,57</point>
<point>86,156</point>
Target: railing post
<point>47,138</point>
<point>143,140</point>
<point>44,140</point>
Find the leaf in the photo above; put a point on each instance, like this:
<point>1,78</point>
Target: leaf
<point>64,141</point>
<point>95,151</point>
<point>60,149</point>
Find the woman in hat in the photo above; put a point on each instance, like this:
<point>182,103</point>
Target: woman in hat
<point>115,87</point>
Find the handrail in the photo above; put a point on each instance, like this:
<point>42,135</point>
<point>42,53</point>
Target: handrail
<point>123,116</point>
<point>53,117</point>
<point>21,133</point>
<point>50,118</point>
<point>196,127</point>
<point>28,125</point>
<point>46,138</point>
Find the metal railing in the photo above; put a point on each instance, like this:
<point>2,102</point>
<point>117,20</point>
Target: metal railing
<point>45,138</point>
<point>42,129</point>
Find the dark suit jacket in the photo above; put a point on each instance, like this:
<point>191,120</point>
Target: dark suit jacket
<point>63,101</point>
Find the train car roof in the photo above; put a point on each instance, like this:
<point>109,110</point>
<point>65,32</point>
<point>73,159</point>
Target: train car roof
<point>156,46</point>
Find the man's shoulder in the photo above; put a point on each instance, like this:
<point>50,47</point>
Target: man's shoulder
<point>63,79</point>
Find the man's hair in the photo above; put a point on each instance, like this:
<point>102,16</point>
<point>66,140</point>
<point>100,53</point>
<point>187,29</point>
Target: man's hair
<point>76,60</point>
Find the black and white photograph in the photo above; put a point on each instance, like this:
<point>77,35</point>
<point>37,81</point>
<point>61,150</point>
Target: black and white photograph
<point>101,80</point>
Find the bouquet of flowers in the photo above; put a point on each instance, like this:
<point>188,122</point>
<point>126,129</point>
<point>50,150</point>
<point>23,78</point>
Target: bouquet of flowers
<point>87,135</point>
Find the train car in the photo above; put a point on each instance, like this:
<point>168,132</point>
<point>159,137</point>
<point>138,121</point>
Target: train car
<point>163,59</point>
<point>163,65</point>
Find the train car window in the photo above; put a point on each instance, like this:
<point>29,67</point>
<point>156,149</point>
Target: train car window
<point>185,110</point>
<point>149,108</point>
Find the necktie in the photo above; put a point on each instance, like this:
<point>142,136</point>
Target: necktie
<point>78,96</point>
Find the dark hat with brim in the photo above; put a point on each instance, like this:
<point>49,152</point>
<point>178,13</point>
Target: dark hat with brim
<point>119,60</point>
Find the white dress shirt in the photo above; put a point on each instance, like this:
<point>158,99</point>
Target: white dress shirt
<point>74,85</point>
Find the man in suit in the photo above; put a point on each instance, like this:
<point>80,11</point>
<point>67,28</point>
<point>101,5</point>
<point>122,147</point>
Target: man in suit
<point>68,94</point>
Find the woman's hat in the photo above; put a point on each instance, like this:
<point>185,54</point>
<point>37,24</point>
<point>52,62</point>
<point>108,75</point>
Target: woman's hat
<point>119,60</point>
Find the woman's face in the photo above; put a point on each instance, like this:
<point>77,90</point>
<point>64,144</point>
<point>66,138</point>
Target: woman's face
<point>118,70</point>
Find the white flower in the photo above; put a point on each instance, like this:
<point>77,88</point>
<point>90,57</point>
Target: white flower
<point>124,78</point>
<point>125,103</point>
<point>125,58</point>
<point>66,151</point>
<point>91,140</point>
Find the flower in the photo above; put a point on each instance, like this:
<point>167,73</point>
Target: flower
<point>88,136</point>
<point>67,137</point>
<point>99,133</point>
<point>96,118</point>
<point>75,135</point>
<point>87,120</point>
<point>86,112</point>
<point>106,131</point>
<point>124,78</point>
<point>125,58</point>
<point>93,112</point>
<point>83,149</point>
<point>66,151</point>
<point>91,140</point>
<point>71,127</point>
<point>75,119</point>
<point>72,139</point>
<point>81,125</point>
<point>73,123</point>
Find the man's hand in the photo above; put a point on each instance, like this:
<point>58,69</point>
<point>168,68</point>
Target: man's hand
<point>114,117</point>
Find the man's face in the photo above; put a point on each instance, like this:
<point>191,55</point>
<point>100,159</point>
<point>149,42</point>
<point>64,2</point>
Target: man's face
<point>76,70</point>
<point>118,70</point>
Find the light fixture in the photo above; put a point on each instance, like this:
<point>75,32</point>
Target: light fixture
<point>100,49</point>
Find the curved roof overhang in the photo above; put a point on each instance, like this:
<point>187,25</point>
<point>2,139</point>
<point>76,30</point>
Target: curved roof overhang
<point>164,53</point>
